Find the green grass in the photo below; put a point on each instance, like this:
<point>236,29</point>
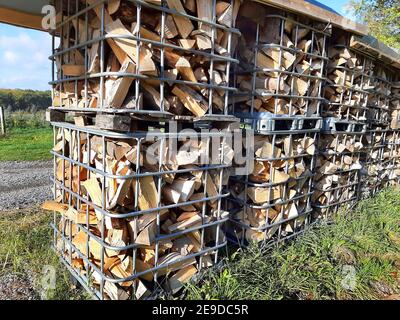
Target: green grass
<point>26,144</point>
<point>316,265</point>
<point>313,266</point>
<point>25,248</point>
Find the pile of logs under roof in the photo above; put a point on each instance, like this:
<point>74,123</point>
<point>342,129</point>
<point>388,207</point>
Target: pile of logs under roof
<point>140,209</point>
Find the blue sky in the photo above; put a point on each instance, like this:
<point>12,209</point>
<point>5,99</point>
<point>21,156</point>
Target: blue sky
<point>24,54</point>
<point>339,6</point>
<point>24,62</point>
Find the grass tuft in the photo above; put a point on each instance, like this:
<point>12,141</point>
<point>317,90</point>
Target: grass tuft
<point>356,257</point>
<point>25,249</point>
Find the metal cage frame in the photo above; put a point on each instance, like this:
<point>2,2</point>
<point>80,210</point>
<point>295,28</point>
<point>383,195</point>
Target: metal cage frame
<point>363,89</point>
<point>237,229</point>
<point>68,195</point>
<point>351,175</point>
<point>213,56</point>
<point>255,70</point>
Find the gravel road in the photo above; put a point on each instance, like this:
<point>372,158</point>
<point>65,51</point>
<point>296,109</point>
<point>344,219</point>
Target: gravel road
<point>13,287</point>
<point>24,183</point>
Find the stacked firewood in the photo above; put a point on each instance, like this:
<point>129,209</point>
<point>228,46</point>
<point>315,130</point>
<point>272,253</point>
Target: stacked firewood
<point>395,105</point>
<point>391,157</point>
<point>337,179</point>
<point>375,173</point>
<point>348,84</point>
<point>379,100</point>
<point>175,64</point>
<point>274,198</point>
<point>282,60</point>
<point>117,207</point>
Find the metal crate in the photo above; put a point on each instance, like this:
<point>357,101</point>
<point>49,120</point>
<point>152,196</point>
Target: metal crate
<point>337,178</point>
<point>116,213</point>
<point>148,92</point>
<point>349,79</point>
<point>281,87</point>
<point>272,202</point>
<point>374,177</point>
<point>337,126</point>
<point>379,102</point>
<point>391,158</point>
<point>395,105</point>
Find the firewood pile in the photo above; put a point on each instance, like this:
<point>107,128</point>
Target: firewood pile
<point>379,101</point>
<point>375,173</point>
<point>391,150</point>
<point>392,157</point>
<point>337,180</point>
<point>124,198</point>
<point>395,106</point>
<point>341,147</point>
<point>273,200</point>
<point>282,59</point>
<point>140,206</point>
<point>349,81</point>
<point>380,137</point>
<point>172,57</point>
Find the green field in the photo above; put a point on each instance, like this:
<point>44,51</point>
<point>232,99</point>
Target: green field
<point>316,265</point>
<point>26,144</point>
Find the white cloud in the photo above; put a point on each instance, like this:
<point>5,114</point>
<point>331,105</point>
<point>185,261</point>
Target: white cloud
<point>10,56</point>
<point>25,62</point>
<point>348,12</point>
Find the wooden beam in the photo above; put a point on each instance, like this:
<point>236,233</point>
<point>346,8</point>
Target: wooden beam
<point>21,19</point>
<point>315,12</point>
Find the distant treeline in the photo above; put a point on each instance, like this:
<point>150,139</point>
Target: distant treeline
<point>24,100</point>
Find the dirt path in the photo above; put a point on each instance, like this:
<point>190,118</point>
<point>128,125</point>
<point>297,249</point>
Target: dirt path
<point>24,184</point>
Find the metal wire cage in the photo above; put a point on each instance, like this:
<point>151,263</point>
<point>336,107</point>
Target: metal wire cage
<point>337,179</point>
<point>380,99</point>
<point>391,158</point>
<point>349,82</point>
<point>272,202</point>
<point>395,105</point>
<point>139,58</point>
<point>123,201</point>
<point>374,177</point>
<point>282,65</point>
<point>393,137</point>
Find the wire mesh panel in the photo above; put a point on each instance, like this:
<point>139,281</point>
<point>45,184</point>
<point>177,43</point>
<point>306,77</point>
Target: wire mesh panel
<point>272,202</point>
<point>395,105</point>
<point>379,102</point>
<point>136,217</point>
<point>349,80</point>
<point>337,178</point>
<point>391,158</point>
<point>373,179</point>
<point>392,164</point>
<point>282,62</point>
<point>166,57</point>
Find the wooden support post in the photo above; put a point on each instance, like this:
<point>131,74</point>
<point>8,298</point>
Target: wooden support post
<point>55,116</point>
<point>2,122</point>
<point>113,122</point>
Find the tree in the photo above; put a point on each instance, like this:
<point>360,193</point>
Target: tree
<point>382,18</point>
